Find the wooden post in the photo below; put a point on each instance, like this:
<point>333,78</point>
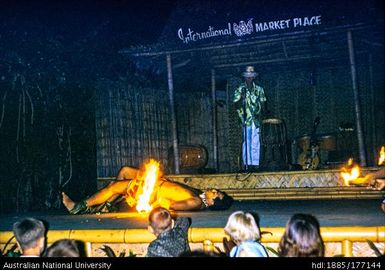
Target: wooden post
<point>173,115</point>
<point>208,246</point>
<point>372,111</point>
<point>360,135</point>
<point>347,248</point>
<point>214,114</point>
<point>88,249</point>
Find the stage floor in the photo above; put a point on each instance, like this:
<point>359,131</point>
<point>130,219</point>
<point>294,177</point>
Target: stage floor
<point>274,213</point>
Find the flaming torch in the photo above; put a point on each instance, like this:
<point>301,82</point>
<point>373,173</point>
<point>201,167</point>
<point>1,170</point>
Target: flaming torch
<point>381,159</point>
<point>351,173</point>
<point>150,177</point>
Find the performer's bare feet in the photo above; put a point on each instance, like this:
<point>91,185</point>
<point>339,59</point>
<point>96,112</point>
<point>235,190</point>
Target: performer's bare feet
<point>68,203</point>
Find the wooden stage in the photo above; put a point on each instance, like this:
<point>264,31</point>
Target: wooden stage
<point>283,185</point>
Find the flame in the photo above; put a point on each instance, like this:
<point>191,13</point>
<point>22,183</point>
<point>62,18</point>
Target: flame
<point>149,180</point>
<point>351,173</point>
<point>381,159</point>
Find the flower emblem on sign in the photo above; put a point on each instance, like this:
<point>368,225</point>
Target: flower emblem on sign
<point>243,28</point>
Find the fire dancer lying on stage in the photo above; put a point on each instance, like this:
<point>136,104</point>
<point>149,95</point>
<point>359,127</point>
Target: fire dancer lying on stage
<point>168,194</point>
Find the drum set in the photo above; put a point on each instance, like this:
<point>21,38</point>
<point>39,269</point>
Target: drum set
<point>274,147</point>
<point>324,144</point>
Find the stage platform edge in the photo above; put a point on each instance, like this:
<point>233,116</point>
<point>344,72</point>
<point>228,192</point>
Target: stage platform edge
<point>285,185</point>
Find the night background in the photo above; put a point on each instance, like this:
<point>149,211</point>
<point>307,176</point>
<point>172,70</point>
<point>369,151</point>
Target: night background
<point>79,98</point>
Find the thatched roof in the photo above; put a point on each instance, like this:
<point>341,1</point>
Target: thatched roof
<point>228,35</point>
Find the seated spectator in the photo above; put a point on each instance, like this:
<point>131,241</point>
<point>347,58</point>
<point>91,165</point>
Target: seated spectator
<point>171,235</point>
<point>30,236</point>
<point>245,233</point>
<point>63,248</point>
<point>302,238</point>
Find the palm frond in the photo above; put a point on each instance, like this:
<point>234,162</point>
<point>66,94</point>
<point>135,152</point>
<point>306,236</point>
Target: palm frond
<point>109,252</point>
<point>122,254</point>
<point>272,250</point>
<point>10,252</point>
<point>374,248</point>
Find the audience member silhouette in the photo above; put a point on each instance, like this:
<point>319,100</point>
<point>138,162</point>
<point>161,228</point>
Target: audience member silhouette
<point>63,248</point>
<point>302,237</point>
<point>199,253</point>
<point>245,233</point>
<point>30,236</point>
<point>171,235</point>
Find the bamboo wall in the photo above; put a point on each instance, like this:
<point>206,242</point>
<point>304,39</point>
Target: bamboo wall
<point>133,123</point>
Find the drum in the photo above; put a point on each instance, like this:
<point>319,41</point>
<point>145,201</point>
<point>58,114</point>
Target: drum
<point>273,145</point>
<point>327,142</point>
<point>190,156</point>
<point>273,132</point>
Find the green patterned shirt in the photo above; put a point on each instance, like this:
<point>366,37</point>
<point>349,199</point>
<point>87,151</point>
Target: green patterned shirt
<point>254,99</point>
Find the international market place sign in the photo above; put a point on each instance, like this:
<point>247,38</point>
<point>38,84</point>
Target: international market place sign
<point>242,29</point>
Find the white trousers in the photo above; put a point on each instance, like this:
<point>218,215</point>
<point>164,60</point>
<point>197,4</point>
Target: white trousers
<point>253,145</point>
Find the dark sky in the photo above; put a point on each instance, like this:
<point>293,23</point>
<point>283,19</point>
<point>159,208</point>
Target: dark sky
<point>128,22</point>
<point>146,17</point>
<point>73,19</point>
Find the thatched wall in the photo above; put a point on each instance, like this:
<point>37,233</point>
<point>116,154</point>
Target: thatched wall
<point>133,124</point>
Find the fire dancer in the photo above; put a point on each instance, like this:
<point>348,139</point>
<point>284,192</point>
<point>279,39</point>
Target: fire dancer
<point>168,194</point>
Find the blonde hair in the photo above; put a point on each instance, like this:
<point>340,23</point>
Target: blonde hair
<point>241,227</point>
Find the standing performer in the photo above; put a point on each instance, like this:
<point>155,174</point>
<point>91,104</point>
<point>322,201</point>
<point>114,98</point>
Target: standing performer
<point>249,100</point>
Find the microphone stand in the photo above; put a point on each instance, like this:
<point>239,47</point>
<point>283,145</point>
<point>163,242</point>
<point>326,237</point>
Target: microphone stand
<point>243,95</point>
